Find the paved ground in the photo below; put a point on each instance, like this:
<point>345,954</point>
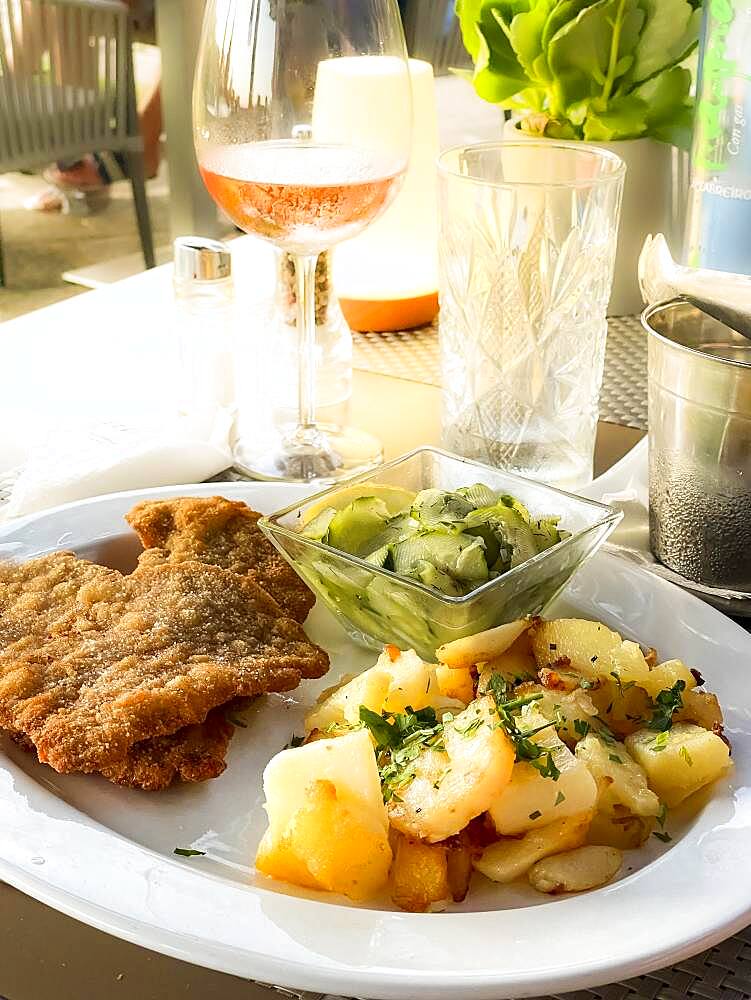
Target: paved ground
<point>38,246</point>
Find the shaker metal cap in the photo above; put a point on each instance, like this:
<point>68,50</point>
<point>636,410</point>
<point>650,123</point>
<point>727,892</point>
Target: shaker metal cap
<point>198,258</point>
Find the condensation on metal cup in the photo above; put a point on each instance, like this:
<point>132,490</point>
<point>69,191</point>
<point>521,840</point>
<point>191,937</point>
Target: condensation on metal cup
<point>699,446</point>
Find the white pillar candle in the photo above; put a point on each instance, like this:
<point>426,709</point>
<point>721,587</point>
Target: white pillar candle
<point>387,277</point>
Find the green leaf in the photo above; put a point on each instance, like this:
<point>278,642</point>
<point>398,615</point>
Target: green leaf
<point>670,114</point>
<point>585,52</point>
<point>625,118</point>
<point>526,37</point>
<point>469,13</point>
<point>666,704</point>
<point>563,12</point>
<point>498,73</point>
<point>384,733</point>
<point>485,27</point>
<point>670,32</point>
<point>188,852</point>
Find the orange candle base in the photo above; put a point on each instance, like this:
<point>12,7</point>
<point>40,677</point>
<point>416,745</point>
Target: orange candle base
<point>384,315</point>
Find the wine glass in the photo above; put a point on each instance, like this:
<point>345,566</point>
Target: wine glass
<point>282,121</point>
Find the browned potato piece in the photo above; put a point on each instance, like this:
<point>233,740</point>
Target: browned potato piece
<point>516,664</point>
<point>576,871</point>
<point>700,707</point>
<point>459,866</point>
<point>623,710</point>
<point>583,643</point>
<point>511,857</point>
<point>459,684</point>
<point>483,646</point>
<point>623,831</point>
<point>419,875</point>
<point>354,862</point>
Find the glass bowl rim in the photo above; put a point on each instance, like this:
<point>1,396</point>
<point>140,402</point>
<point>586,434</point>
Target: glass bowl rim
<point>617,173</point>
<point>270,525</point>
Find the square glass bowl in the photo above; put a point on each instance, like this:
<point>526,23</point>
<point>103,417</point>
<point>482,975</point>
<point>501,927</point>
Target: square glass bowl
<point>376,606</point>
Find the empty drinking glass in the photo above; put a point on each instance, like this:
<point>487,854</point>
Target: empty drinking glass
<point>528,237</point>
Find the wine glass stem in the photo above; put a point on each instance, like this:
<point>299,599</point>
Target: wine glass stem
<point>305,273</point>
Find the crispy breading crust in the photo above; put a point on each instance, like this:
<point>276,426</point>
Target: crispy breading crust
<point>187,637</point>
<point>223,533</point>
<point>37,597</point>
<point>194,753</point>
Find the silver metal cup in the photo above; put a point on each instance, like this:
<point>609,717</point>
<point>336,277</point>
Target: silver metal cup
<point>699,446</point>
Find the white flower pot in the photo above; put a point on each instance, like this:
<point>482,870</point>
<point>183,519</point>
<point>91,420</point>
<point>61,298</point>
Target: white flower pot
<point>649,198</point>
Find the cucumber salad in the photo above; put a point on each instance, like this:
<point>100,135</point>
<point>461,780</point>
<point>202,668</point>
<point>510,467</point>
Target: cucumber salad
<point>451,540</point>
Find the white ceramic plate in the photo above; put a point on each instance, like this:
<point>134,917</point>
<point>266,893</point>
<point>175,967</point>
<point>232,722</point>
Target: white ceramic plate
<point>103,854</point>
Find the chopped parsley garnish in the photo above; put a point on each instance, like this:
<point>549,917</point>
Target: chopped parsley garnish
<point>666,704</point>
<point>400,742</point>
<point>581,727</point>
<point>296,741</point>
<point>686,756</point>
<point>560,797</point>
<point>383,732</point>
<point>535,815</point>
<point>526,749</point>
<point>604,733</point>
<point>664,837</point>
<point>662,814</point>
<point>188,852</point>
<point>619,683</point>
<point>593,659</point>
<point>471,728</point>
<point>615,758</point>
<point>585,685</point>
<point>660,741</point>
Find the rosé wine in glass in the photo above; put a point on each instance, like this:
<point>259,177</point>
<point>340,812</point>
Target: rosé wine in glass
<point>302,196</point>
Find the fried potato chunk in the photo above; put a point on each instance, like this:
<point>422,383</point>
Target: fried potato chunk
<point>511,857</point>
<point>680,761</point>
<point>452,786</point>
<point>419,875</point>
<point>328,845</point>
<point>327,822</point>
<point>576,871</point>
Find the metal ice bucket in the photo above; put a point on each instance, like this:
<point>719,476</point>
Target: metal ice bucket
<point>699,446</point>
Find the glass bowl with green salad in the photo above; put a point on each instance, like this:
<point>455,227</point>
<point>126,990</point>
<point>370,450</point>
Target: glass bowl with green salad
<point>431,547</point>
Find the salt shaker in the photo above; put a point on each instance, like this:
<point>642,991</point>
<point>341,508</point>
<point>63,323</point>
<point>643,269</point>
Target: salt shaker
<point>204,300</point>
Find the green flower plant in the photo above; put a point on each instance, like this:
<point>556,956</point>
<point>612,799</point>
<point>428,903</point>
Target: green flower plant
<point>597,70</point>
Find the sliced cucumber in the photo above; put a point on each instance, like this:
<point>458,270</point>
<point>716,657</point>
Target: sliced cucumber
<point>514,504</point>
<point>546,532</point>
<point>318,528</point>
<point>460,556</point>
<point>434,507</point>
<point>431,576</point>
<point>354,526</point>
<point>396,530</point>
<point>379,557</point>
<point>478,495</point>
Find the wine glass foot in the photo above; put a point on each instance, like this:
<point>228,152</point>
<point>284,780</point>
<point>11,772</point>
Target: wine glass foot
<point>321,455</point>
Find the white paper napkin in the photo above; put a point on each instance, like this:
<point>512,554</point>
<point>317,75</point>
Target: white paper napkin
<point>72,463</point>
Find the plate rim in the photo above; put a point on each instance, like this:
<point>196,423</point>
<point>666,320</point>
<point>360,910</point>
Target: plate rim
<point>372,981</point>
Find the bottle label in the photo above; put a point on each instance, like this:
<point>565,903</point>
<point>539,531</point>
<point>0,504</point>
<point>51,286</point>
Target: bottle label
<point>719,225</point>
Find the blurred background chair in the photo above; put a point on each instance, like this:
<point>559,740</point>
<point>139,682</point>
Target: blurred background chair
<point>67,89</point>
